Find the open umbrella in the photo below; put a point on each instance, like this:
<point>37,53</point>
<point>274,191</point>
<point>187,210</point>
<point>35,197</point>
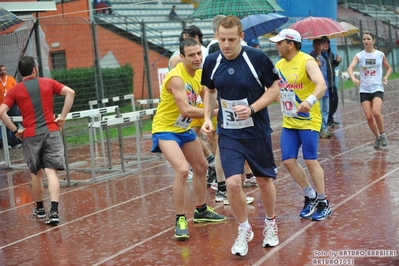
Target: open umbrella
<point>8,19</point>
<point>238,8</point>
<point>317,27</point>
<point>350,29</point>
<point>260,24</point>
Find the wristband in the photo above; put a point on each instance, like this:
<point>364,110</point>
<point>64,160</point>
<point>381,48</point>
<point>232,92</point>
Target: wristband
<point>252,110</point>
<point>311,99</point>
<point>15,132</point>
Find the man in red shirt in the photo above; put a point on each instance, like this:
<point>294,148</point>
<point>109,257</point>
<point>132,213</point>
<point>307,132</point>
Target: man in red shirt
<point>41,140</point>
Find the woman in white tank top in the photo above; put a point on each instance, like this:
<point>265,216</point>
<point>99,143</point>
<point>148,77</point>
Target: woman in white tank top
<point>371,85</point>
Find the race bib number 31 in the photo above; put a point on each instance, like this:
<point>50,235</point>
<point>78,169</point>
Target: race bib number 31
<point>230,120</point>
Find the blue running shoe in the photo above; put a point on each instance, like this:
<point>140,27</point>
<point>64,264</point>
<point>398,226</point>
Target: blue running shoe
<point>209,215</point>
<point>309,207</point>
<point>181,230</point>
<point>323,210</point>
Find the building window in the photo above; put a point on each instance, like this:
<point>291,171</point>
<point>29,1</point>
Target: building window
<point>58,60</point>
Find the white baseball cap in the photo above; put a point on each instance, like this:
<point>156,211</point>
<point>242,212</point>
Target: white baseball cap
<point>287,34</point>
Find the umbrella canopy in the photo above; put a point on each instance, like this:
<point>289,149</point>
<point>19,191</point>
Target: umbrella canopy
<point>317,27</point>
<point>260,24</point>
<point>238,8</point>
<point>8,19</point>
<point>350,28</point>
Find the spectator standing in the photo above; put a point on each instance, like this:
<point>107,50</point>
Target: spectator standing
<point>371,85</point>
<point>41,139</point>
<point>7,82</point>
<point>301,85</point>
<point>325,100</point>
<point>332,63</point>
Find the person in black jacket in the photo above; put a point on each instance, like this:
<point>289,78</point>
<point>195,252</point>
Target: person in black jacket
<point>332,63</point>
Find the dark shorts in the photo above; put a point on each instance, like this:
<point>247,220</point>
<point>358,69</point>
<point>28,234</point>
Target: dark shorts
<point>292,139</point>
<point>257,152</point>
<point>368,97</point>
<point>180,138</point>
<point>44,151</point>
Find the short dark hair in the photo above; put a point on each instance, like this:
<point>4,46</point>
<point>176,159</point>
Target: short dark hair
<point>193,31</point>
<point>298,45</point>
<point>317,41</point>
<point>186,43</point>
<point>26,65</point>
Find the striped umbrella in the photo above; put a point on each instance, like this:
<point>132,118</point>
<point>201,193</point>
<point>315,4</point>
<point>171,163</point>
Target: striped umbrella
<point>8,19</point>
<point>238,8</point>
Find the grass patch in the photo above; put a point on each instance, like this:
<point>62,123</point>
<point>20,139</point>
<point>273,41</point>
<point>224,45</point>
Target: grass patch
<point>127,131</point>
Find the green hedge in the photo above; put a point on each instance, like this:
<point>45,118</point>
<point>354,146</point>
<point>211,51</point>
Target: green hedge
<point>116,82</point>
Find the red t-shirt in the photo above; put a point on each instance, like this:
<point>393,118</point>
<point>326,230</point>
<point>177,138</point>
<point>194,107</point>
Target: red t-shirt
<point>35,105</point>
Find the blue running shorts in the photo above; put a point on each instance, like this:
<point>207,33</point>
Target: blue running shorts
<point>257,152</point>
<point>292,139</point>
<point>180,138</point>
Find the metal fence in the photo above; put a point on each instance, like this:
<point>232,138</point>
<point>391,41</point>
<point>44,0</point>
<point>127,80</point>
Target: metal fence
<point>90,57</point>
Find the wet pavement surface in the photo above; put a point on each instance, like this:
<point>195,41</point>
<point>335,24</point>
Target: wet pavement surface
<point>127,218</point>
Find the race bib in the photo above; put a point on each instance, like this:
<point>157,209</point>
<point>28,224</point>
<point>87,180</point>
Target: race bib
<point>288,103</point>
<point>183,122</point>
<point>230,120</point>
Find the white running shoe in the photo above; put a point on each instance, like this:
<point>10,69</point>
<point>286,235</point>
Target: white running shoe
<point>214,186</point>
<point>221,196</point>
<point>271,238</point>
<point>250,182</point>
<point>240,247</point>
<point>249,200</point>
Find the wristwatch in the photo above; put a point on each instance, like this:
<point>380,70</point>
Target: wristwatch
<point>15,131</point>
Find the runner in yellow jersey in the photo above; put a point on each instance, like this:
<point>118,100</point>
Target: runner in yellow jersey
<point>301,86</point>
<point>173,136</point>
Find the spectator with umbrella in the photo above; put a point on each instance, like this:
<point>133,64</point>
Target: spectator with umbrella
<point>332,63</point>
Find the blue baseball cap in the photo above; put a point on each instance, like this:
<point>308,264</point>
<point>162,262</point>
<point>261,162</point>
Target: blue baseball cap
<point>252,42</point>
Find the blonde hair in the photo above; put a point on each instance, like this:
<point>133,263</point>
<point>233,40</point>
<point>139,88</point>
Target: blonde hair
<point>230,22</point>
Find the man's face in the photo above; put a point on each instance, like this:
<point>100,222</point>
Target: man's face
<point>283,48</point>
<point>3,71</point>
<point>229,41</point>
<point>192,57</point>
<point>317,48</point>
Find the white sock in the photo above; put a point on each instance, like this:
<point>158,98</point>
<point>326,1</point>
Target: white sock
<point>245,225</point>
<point>270,221</point>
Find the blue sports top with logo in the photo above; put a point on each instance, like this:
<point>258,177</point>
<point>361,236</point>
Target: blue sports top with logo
<point>240,81</point>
